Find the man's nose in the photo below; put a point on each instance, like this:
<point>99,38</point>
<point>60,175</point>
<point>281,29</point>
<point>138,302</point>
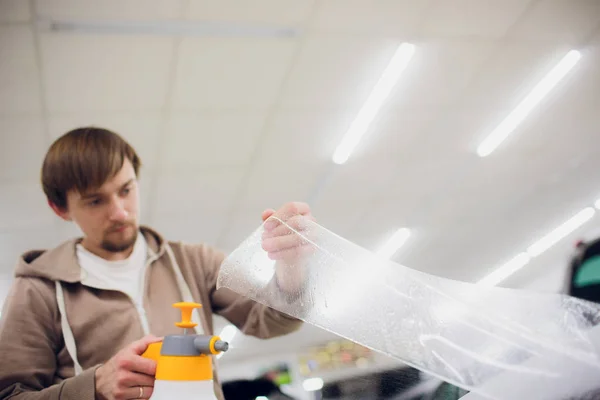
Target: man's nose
<point>118,211</point>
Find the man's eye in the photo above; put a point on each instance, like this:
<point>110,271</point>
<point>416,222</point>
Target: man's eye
<point>125,191</point>
<point>94,202</point>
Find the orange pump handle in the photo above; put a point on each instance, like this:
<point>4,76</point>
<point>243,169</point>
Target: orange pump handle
<point>186,314</point>
<point>153,351</point>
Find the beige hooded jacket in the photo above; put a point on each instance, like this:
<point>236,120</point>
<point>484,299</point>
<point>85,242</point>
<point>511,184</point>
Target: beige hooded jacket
<point>55,331</point>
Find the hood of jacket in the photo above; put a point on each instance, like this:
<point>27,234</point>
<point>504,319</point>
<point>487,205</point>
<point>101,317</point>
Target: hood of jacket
<point>60,263</point>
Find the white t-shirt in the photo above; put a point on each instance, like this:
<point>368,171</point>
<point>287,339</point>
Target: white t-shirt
<point>126,276</point>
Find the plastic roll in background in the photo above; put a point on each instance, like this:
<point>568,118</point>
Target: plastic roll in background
<point>495,342</point>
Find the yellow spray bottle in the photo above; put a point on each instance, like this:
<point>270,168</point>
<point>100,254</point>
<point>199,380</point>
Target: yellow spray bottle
<point>184,362</point>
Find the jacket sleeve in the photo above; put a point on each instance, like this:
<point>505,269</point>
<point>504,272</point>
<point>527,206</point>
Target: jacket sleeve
<point>28,347</point>
<point>252,318</point>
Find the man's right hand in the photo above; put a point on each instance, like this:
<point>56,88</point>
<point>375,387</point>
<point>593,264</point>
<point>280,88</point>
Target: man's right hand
<point>123,375</point>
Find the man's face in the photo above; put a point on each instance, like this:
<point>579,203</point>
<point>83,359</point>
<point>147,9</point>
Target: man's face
<point>108,215</point>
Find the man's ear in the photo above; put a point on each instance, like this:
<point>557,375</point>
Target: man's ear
<point>61,212</point>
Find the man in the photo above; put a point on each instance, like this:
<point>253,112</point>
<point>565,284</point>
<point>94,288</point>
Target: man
<point>79,316</point>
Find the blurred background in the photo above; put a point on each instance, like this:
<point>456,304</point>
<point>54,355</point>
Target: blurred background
<point>481,160</point>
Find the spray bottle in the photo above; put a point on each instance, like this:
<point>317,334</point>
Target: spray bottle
<point>184,362</point>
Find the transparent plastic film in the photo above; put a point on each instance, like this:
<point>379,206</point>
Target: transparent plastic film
<point>495,342</point>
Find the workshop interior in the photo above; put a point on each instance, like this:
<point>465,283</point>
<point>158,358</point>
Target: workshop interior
<point>449,151</point>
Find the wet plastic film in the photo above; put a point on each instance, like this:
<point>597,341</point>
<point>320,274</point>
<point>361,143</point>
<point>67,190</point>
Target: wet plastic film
<point>495,342</point>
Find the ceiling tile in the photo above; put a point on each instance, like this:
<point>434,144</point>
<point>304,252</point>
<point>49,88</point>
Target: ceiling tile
<point>271,184</point>
<point>17,241</point>
<point>580,93</point>
<point>19,83</point>
<point>359,183</point>
<point>141,129</point>
<point>105,73</point>
<point>14,11</point>
<point>293,157</point>
<point>202,140</point>
<point>438,72</point>
<point>184,194</point>
<point>23,205</point>
<point>336,73</point>
<point>303,136</point>
<point>147,190</point>
<point>24,143</point>
<point>231,73</point>
<point>242,223</point>
<point>121,10</point>
<point>48,235</point>
<point>510,74</point>
<point>200,226</point>
<point>272,12</point>
<point>399,17</point>
<point>559,21</point>
<point>397,131</point>
<point>481,18</point>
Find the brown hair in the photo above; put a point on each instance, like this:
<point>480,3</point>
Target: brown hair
<point>84,159</point>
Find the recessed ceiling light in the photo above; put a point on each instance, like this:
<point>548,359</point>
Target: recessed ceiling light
<point>508,125</point>
<point>374,102</point>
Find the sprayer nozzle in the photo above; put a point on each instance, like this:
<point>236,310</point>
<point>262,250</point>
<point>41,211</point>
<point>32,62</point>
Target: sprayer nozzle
<point>221,345</point>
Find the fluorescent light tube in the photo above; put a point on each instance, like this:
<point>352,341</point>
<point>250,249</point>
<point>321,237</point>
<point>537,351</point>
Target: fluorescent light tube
<point>394,243</point>
<point>371,107</point>
<point>506,270</point>
<point>538,247</point>
<point>562,231</point>
<point>508,125</point>
<point>313,384</point>
<point>597,204</point>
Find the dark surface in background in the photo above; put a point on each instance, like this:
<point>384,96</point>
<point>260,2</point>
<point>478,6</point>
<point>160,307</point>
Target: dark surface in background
<point>251,389</point>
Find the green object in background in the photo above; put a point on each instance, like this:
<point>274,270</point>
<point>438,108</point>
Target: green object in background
<point>284,378</point>
<point>589,273</point>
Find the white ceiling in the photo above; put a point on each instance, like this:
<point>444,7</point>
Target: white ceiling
<point>228,126</point>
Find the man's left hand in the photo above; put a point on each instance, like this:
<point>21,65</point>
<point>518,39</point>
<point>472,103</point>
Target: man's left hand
<point>282,237</point>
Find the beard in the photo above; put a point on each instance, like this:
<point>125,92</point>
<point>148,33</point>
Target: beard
<point>119,245</point>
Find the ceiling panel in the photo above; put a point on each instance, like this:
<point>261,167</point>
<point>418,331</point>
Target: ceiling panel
<point>268,12</point>
<point>22,138</point>
<point>438,72</point>
<point>203,225</point>
<point>147,190</point>
<point>271,184</point>
<point>230,73</point>
<point>303,136</point>
<point>558,21</point>
<point>389,17</point>
<point>105,73</point>
<point>357,183</point>
<point>141,129</point>
<point>501,209</point>
<point>19,83</point>
<point>14,11</point>
<point>23,206</point>
<point>333,73</point>
<point>580,95</point>
<point>480,18</point>
<point>122,10</point>
<point>16,242</point>
<point>241,223</point>
<point>202,140</point>
<point>396,132</point>
<point>510,74</point>
<point>181,194</point>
